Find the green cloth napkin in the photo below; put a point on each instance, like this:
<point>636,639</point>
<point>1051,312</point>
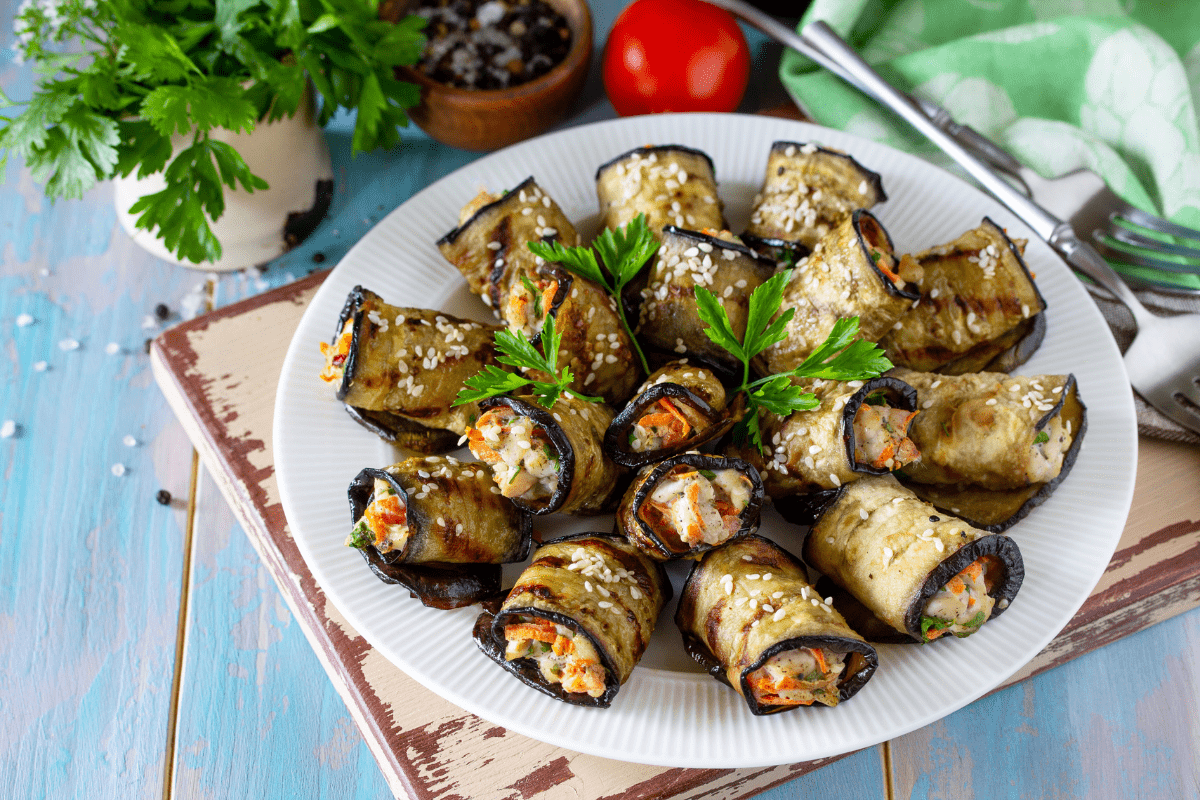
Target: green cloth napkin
<point>1060,84</point>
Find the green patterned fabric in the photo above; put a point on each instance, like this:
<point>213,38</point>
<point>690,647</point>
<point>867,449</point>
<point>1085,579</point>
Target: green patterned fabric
<point>1061,84</point>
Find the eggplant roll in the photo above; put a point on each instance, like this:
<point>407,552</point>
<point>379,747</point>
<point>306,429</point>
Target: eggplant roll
<point>490,244</point>
<point>678,408</point>
<point>923,573</point>
<point>860,428</point>
<point>438,527</point>
<point>979,308</point>
<point>687,259</point>
<point>670,184</point>
<point>808,191</point>
<point>408,362</point>
<point>749,616</point>
<point>852,272</point>
<point>578,619</point>
<point>993,446</point>
<point>594,343</point>
<point>546,461</point>
<point>689,504</point>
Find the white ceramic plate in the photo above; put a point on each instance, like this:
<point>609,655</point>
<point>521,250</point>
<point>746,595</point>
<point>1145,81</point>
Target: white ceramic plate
<point>669,713</point>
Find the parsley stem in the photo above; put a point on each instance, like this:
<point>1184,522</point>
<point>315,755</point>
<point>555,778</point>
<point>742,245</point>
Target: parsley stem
<point>637,348</point>
<point>584,397</point>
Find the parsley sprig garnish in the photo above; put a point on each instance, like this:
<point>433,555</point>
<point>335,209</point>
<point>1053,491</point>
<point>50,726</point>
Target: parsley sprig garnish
<point>623,252</point>
<point>517,351</point>
<point>143,71</point>
<point>840,357</point>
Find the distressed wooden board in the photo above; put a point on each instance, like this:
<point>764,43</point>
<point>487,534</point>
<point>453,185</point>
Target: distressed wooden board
<point>429,748</point>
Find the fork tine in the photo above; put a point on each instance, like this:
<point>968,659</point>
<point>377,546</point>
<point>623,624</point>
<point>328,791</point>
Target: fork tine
<point>1143,284</point>
<point>1134,239</point>
<point>1139,217</point>
<point>1179,412</point>
<point>1141,260</point>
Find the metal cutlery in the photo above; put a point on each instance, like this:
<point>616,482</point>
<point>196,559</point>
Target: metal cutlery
<point>1164,360</point>
<point>1080,197</point>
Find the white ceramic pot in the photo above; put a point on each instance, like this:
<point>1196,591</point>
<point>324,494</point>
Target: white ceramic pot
<point>291,155</point>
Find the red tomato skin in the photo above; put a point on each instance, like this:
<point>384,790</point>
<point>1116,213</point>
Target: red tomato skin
<point>675,55</point>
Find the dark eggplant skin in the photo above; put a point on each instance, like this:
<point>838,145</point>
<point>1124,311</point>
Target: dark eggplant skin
<point>374,384</point>
<point>669,317</point>
<point>490,273</point>
<point>840,279</point>
<point>826,427</point>
<point>403,432</point>
<point>703,392</point>
<point>547,589</point>
<point>585,318</point>
<point>441,568</point>
<point>631,524</point>
<point>699,621</point>
<point>845,185</point>
<point>858,573</point>
<point>997,510</point>
<point>968,319</point>
<point>587,478</point>
<point>658,195</point>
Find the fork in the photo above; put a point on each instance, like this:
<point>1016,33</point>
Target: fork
<point>1163,362</point>
<point>1080,197</point>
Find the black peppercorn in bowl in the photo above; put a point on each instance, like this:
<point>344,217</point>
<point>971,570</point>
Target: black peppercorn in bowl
<point>496,72</point>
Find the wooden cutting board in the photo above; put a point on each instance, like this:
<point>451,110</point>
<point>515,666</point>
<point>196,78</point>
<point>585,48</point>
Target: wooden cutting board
<point>224,393</point>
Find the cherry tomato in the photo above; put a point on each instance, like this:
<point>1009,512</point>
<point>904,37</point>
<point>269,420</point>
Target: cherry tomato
<point>675,55</point>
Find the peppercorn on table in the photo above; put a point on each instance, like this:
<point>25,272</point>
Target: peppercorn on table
<point>148,650</point>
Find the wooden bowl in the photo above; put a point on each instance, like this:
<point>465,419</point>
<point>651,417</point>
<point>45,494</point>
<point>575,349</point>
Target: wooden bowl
<point>484,120</point>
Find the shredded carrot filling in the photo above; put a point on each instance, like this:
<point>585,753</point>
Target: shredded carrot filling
<point>688,506</point>
<point>564,656</point>
<point>881,437</point>
<point>798,677</point>
<point>663,424</point>
<point>335,355</point>
<point>964,603</point>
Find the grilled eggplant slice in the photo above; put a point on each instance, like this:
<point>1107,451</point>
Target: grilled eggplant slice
<point>678,408</point>
<point>922,572</point>
<point>689,504</point>
<point>408,362</point>
<point>979,308</point>
<point>860,428</point>
<point>490,245</point>
<point>594,343</point>
<point>434,526</point>
<point>578,619</point>
<point>808,192</point>
<point>547,461</point>
<point>670,321</point>
<point>670,184</point>
<point>993,446</point>
<point>749,616</point>
<point>852,272</point>
<point>402,432</point>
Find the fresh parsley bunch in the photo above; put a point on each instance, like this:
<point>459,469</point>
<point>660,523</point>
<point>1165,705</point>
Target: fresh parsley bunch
<point>517,351</point>
<point>624,252</point>
<point>141,71</point>
<point>840,357</point>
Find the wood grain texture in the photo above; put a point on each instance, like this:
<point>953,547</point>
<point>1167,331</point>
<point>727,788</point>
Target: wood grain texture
<point>432,749</point>
<point>90,565</point>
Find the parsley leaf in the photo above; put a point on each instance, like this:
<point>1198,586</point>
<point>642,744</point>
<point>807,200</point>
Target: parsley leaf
<point>624,252</point>
<point>517,351</point>
<point>840,357</point>
<point>1041,438</point>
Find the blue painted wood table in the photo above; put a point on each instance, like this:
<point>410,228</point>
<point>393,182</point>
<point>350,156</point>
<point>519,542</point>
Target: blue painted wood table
<point>145,650</point>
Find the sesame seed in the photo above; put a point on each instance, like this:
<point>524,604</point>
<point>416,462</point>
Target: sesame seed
<point>767,607</point>
<point>8,429</point>
<point>68,344</point>
<point>40,366</point>
<point>990,402</point>
<point>752,576</point>
<point>862,512</point>
<point>747,558</point>
<point>635,593</point>
<point>129,441</point>
<point>441,521</point>
<point>605,604</point>
<point>118,469</point>
<point>768,576</point>
<point>836,480</point>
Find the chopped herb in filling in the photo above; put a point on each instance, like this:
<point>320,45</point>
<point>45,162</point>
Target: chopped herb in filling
<point>1049,447</point>
<point>563,655</point>
<point>689,507</point>
<point>798,677</point>
<point>963,604</point>
<point>384,523</point>
<point>524,463</point>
